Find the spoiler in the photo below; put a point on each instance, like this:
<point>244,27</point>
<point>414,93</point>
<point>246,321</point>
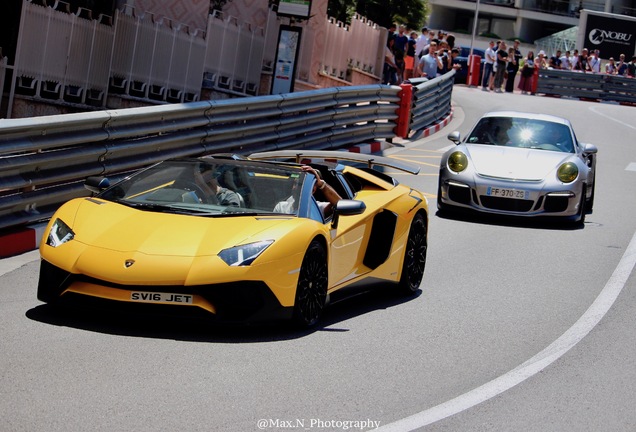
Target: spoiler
<point>370,160</point>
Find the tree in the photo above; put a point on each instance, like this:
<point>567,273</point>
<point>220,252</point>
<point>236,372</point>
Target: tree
<point>411,13</point>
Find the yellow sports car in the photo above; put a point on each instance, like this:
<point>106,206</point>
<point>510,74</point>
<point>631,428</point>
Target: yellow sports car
<point>235,238</point>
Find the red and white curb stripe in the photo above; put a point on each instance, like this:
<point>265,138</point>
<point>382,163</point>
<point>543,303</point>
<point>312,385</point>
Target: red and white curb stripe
<point>369,148</point>
<point>16,242</point>
<point>437,127</point>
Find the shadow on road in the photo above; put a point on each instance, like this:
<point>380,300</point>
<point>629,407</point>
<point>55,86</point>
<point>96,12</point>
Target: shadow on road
<point>545,223</point>
<point>378,297</point>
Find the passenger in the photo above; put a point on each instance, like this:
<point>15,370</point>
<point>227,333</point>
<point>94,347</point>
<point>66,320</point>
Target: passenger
<point>288,206</point>
<point>329,193</point>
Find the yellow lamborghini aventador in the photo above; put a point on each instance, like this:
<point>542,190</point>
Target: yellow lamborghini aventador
<point>237,238</point>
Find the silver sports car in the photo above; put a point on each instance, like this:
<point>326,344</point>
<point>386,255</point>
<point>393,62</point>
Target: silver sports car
<point>519,164</point>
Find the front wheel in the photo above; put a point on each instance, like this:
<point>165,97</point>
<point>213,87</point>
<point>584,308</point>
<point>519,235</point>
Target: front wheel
<point>414,256</point>
<point>580,219</point>
<point>311,292</point>
<point>589,205</point>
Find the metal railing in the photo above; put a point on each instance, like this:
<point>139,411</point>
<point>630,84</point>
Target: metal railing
<point>597,86</point>
<point>431,100</point>
<point>44,160</point>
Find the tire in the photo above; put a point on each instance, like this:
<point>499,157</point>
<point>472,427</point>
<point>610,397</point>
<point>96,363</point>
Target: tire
<point>589,204</point>
<point>311,291</point>
<point>414,256</point>
<point>580,220</point>
<point>442,209</point>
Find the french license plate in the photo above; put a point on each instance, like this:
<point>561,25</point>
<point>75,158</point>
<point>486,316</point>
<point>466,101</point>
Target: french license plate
<point>507,193</point>
<point>155,297</point>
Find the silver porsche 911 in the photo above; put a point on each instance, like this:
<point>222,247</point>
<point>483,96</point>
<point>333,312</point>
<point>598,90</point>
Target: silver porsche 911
<point>519,164</point>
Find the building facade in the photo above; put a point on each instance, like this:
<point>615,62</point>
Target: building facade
<point>91,55</point>
<point>527,20</point>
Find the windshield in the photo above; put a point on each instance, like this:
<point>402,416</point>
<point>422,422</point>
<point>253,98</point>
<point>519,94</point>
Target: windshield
<point>211,188</point>
<point>521,132</point>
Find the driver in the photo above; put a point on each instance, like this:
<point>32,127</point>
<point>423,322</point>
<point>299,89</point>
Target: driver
<point>557,135</point>
<point>208,183</point>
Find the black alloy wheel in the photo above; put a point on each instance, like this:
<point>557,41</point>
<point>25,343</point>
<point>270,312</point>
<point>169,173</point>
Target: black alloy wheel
<point>311,292</point>
<point>414,256</point>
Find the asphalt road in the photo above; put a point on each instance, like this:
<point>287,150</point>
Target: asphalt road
<point>519,326</point>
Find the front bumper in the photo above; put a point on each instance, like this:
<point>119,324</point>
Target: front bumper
<point>531,200</point>
<point>240,301</point>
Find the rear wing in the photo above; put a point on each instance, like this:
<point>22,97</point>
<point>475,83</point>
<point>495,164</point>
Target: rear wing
<point>370,160</point>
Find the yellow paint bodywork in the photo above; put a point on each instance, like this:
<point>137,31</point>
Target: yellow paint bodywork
<point>181,250</point>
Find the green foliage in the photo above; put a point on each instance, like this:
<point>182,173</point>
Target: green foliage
<point>411,13</point>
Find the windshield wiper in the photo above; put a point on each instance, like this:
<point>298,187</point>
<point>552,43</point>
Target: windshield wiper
<point>161,208</point>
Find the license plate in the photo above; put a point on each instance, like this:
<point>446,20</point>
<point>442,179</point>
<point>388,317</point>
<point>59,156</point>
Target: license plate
<point>508,193</point>
<point>155,297</point>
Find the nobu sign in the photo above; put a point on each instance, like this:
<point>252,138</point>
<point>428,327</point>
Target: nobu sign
<point>611,34</point>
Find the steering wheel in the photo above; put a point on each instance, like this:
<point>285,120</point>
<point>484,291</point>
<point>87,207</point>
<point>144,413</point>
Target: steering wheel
<point>198,191</point>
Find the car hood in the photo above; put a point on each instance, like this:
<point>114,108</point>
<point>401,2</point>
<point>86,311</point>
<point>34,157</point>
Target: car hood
<point>116,227</point>
<point>513,162</point>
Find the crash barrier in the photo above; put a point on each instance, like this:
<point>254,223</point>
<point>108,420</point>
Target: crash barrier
<point>44,160</point>
<point>595,86</point>
<point>431,100</point>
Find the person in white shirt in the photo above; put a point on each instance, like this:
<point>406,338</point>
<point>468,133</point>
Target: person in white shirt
<point>594,60</point>
<point>489,61</point>
<point>421,43</point>
<point>565,61</point>
<point>326,207</point>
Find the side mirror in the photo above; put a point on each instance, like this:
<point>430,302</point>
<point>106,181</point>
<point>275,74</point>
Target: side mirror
<point>589,148</point>
<point>96,184</point>
<point>455,137</point>
<point>346,207</point>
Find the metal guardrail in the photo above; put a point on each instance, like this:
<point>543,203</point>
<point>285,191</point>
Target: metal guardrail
<point>601,87</point>
<point>44,160</point>
<point>431,100</point>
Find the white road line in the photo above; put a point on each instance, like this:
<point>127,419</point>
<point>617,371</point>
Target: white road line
<point>9,264</point>
<point>596,111</point>
<point>632,165</point>
<point>558,348</point>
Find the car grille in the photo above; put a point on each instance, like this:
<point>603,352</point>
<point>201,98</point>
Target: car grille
<point>459,194</point>
<point>506,204</point>
<point>556,204</point>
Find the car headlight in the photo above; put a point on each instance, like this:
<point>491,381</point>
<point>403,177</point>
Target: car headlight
<point>244,255</point>
<point>59,234</point>
<point>457,162</point>
<point>568,172</point>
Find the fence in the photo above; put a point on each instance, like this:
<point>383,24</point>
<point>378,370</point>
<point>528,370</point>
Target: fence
<point>602,87</point>
<point>76,61</point>
<point>44,160</point>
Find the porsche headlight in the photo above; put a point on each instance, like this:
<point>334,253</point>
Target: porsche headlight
<point>244,255</point>
<point>457,162</point>
<point>59,234</point>
<point>568,172</point>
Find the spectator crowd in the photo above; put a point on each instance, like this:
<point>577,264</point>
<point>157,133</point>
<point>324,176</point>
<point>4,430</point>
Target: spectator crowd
<point>430,54</point>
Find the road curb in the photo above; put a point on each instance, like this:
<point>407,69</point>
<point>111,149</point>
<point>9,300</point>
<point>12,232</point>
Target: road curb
<point>21,240</point>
